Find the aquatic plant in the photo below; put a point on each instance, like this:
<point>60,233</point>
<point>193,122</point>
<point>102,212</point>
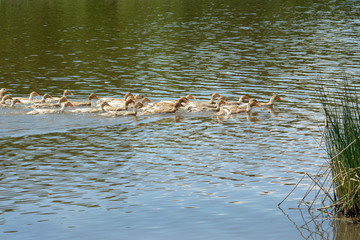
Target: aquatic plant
<point>336,186</point>
<point>342,133</point>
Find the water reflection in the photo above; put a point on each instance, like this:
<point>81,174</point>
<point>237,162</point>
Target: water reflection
<point>315,225</point>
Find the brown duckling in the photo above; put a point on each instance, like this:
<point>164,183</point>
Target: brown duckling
<point>5,98</point>
<point>271,101</point>
<point>50,105</point>
<point>30,99</point>
<point>64,105</point>
<point>227,110</point>
<point>239,102</point>
<point>103,105</point>
<point>136,106</point>
<point>13,101</point>
<point>165,108</point>
<point>88,103</point>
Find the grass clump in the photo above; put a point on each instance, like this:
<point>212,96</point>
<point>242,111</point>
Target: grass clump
<point>342,137</point>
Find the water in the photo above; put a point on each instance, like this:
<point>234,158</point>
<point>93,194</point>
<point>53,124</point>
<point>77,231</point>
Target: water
<point>188,175</point>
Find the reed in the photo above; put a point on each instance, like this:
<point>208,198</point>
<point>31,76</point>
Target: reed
<point>342,138</point>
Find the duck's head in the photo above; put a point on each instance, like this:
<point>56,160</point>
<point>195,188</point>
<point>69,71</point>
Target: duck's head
<point>67,92</point>
<point>244,97</point>
<point>182,100</point>
<point>254,103</point>
<point>276,97</point>
<point>4,90</point>
<point>34,94</point>
<point>189,96</point>
<point>67,104</point>
<point>145,99</point>
<point>93,96</point>
<point>15,101</point>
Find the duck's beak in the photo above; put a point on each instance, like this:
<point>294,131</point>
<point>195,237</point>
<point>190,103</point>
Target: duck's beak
<point>20,102</point>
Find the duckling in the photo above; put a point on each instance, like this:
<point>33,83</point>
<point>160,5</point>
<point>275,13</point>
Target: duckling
<point>271,101</point>
<point>129,101</point>
<point>65,94</point>
<point>88,103</point>
<point>227,110</point>
<point>206,108</point>
<point>239,102</point>
<point>136,106</point>
<point>50,105</point>
<point>13,102</point>
<point>165,108</point>
<point>117,102</point>
<point>102,108</point>
<point>5,98</point>
<point>30,99</point>
<point>43,99</point>
<point>51,111</point>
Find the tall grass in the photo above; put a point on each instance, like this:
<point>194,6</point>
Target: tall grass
<point>342,137</point>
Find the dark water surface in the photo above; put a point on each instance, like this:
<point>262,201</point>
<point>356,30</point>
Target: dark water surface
<point>183,176</point>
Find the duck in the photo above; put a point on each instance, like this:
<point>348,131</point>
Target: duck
<point>102,108</point>
<point>165,108</point>
<point>197,106</point>
<point>117,102</point>
<point>88,103</point>
<point>207,108</point>
<point>2,92</point>
<point>136,106</point>
<point>50,105</point>
<point>30,99</point>
<point>43,99</point>
<point>168,103</point>
<point>64,105</point>
<point>5,98</point>
<point>227,110</point>
<point>65,94</point>
<point>13,102</point>
<point>239,102</point>
<point>129,101</point>
<point>173,102</point>
<point>271,101</point>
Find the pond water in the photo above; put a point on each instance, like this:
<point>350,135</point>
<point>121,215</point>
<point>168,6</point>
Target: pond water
<point>175,176</point>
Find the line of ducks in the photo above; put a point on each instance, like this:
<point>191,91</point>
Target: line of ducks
<point>141,105</point>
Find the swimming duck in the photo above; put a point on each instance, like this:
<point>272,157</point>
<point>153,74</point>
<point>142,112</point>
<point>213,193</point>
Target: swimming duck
<point>51,111</point>
<point>271,101</point>
<point>5,98</point>
<point>227,110</point>
<point>102,108</point>
<point>136,106</point>
<point>239,102</point>
<point>49,105</point>
<point>88,103</point>
<point>2,92</point>
<point>43,99</point>
<point>30,99</point>
<point>206,107</point>
<point>65,94</point>
<point>165,108</point>
<point>13,102</point>
<point>129,101</point>
<point>117,102</point>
